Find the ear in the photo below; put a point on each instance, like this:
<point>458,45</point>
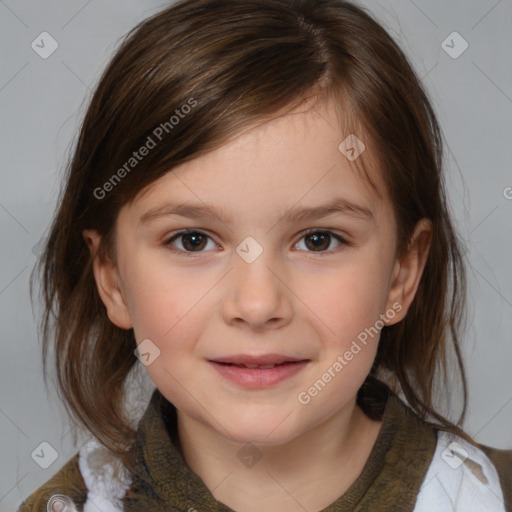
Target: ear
<point>107,283</point>
<point>408,269</point>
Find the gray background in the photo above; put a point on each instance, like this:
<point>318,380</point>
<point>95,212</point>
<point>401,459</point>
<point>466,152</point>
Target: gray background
<point>42,101</point>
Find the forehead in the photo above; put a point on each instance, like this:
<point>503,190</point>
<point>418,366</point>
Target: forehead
<point>300,158</point>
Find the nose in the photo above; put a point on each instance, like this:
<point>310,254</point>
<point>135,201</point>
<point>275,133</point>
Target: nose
<point>257,295</point>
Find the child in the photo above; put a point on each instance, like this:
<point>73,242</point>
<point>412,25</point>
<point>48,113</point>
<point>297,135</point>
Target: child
<point>255,211</point>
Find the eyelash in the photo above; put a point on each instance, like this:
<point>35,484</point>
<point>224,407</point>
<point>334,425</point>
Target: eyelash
<point>178,234</point>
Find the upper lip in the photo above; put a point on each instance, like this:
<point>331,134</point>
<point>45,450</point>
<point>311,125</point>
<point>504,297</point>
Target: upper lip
<point>257,360</point>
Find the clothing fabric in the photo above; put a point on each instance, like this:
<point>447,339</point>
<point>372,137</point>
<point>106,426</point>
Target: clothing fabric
<point>460,478</point>
<point>411,468</point>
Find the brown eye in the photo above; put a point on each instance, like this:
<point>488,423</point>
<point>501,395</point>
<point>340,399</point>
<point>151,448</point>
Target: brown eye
<point>191,241</point>
<point>320,240</point>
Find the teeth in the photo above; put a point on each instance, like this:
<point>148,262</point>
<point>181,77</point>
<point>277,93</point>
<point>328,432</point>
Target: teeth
<point>267,366</point>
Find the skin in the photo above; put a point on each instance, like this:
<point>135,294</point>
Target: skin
<point>291,299</point>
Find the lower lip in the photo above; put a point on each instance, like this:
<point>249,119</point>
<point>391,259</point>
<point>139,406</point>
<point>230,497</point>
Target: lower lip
<point>254,378</point>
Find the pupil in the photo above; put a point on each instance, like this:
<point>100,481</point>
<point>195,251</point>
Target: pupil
<point>195,238</point>
<point>319,238</point>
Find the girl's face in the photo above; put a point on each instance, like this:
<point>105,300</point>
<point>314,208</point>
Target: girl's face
<point>248,286</point>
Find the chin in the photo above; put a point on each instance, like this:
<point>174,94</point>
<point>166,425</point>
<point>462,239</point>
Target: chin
<point>264,428</point>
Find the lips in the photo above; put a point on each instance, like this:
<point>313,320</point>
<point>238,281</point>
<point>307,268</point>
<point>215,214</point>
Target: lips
<point>256,372</point>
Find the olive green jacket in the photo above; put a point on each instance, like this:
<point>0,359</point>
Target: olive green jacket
<point>412,467</point>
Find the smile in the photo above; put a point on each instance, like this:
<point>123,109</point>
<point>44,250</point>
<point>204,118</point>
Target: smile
<point>254,375</point>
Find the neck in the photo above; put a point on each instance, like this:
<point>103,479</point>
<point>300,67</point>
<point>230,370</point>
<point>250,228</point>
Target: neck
<point>312,470</point>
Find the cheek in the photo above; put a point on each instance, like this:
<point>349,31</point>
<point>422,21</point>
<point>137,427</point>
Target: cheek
<point>161,298</point>
<point>166,307</point>
<point>350,308</point>
<point>350,298</point>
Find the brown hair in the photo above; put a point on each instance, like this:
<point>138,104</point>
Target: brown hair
<point>241,62</point>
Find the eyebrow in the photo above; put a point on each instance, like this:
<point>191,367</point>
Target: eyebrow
<point>204,211</point>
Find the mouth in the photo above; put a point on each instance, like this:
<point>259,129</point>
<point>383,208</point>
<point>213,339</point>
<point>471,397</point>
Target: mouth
<point>261,361</point>
<point>257,366</point>
<point>258,372</point>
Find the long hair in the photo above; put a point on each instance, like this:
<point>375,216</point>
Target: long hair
<point>189,79</point>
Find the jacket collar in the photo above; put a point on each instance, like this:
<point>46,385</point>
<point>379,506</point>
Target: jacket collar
<point>390,479</point>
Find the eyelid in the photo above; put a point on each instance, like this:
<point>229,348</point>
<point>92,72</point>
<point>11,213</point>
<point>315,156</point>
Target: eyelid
<point>332,231</point>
